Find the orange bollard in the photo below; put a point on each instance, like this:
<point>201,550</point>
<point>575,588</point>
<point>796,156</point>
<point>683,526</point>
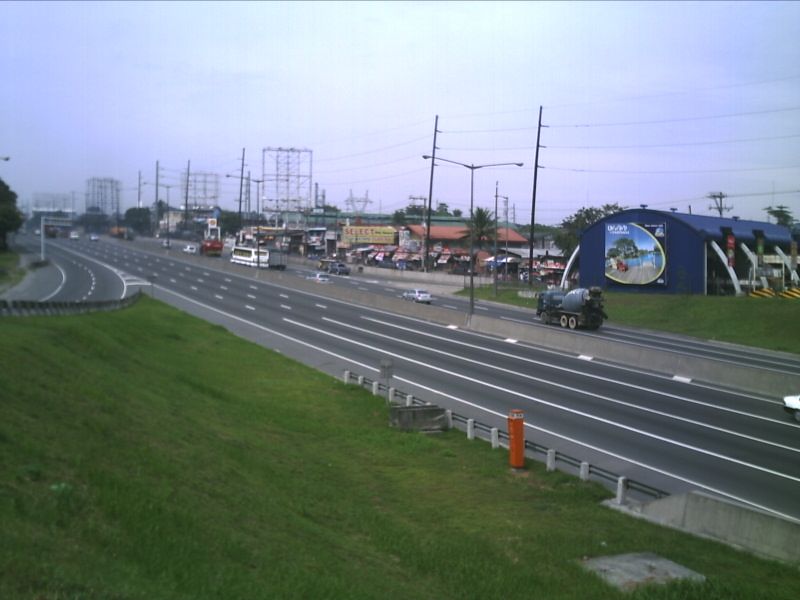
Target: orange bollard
<point>516,439</point>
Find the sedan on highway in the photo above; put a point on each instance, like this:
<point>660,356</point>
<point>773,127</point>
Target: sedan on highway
<point>339,269</point>
<point>190,249</point>
<point>320,278</point>
<point>418,295</point>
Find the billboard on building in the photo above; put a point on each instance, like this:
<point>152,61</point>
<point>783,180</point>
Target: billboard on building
<point>357,234</point>
<point>635,253</point>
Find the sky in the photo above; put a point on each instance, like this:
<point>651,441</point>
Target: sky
<point>648,103</point>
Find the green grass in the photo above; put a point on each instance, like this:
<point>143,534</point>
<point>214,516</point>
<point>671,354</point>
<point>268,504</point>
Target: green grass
<point>148,454</point>
<point>771,323</point>
<point>10,273</point>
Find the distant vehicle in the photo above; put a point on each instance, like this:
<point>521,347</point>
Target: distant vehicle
<point>38,232</point>
<point>190,249</point>
<point>212,244</point>
<point>579,308</point>
<point>418,295</point>
<point>165,244</point>
<point>261,258</point>
<point>74,235</point>
<point>320,278</point>
<point>791,404</point>
<point>123,233</point>
<point>94,237</point>
<point>338,268</point>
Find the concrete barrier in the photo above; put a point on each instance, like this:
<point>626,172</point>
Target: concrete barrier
<point>725,521</point>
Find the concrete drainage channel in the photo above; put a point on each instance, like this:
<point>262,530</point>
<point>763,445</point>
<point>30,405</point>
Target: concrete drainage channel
<point>695,512</point>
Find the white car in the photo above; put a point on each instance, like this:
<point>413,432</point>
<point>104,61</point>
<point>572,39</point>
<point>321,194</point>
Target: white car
<point>190,249</point>
<point>791,404</point>
<point>418,295</point>
<point>74,235</point>
<point>320,278</point>
<point>94,237</point>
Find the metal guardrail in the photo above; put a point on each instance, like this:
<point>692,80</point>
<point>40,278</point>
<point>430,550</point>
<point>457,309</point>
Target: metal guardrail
<point>552,457</point>
<point>32,308</point>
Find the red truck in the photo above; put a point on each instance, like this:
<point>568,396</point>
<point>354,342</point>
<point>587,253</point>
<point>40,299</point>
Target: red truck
<point>212,243</point>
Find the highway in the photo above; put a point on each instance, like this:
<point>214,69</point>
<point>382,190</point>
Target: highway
<point>666,433</point>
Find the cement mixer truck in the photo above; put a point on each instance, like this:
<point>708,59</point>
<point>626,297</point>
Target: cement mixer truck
<point>580,307</point>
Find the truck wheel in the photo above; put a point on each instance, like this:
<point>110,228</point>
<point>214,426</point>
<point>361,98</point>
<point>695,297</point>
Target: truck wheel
<point>797,416</point>
<point>564,321</point>
<point>573,322</point>
<point>545,318</point>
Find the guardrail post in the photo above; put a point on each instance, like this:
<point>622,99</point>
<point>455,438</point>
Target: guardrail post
<point>584,471</point>
<point>409,400</point>
<point>551,459</point>
<point>622,488</point>
<point>495,437</point>
<point>361,380</point>
<point>470,429</point>
<point>390,395</point>
<point>449,415</point>
<point>346,376</point>
<point>376,388</point>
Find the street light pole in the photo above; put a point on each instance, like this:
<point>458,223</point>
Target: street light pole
<point>472,169</point>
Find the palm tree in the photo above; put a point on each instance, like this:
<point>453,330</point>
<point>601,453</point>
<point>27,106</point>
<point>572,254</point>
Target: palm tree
<point>482,228</point>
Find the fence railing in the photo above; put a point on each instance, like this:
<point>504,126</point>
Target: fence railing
<point>552,457</point>
<point>32,308</point>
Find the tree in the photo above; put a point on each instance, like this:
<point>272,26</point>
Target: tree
<point>10,216</point>
<point>229,222</point>
<point>457,212</point>
<point>442,210</point>
<point>480,228</point>
<point>781,214</point>
<point>573,226</point>
<point>139,220</point>
<point>399,218</point>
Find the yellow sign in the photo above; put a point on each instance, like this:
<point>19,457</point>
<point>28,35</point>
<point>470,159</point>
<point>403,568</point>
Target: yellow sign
<point>368,235</point>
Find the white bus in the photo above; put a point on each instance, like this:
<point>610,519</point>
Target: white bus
<point>258,257</point>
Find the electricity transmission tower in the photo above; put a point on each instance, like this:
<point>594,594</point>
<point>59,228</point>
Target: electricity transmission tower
<point>357,206</point>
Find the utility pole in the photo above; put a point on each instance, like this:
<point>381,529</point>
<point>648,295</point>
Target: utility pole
<point>139,193</point>
<point>186,198</point>
<point>241,184</point>
<point>533,197</point>
<point>718,197</point>
<point>157,173</point>
<point>496,196</point>
<point>426,257</point>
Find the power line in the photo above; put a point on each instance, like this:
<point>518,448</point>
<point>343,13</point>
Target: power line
<point>680,120</point>
<point>706,143</point>
<point>670,172</point>
<point>375,150</point>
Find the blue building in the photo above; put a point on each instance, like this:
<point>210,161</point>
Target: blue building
<point>641,250</point>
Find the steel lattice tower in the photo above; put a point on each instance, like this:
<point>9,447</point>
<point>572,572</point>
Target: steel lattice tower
<point>287,176</point>
<point>103,193</point>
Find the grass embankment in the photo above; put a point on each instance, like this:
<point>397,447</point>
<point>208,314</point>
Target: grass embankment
<point>10,272</point>
<point>148,454</point>
<point>771,323</point>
